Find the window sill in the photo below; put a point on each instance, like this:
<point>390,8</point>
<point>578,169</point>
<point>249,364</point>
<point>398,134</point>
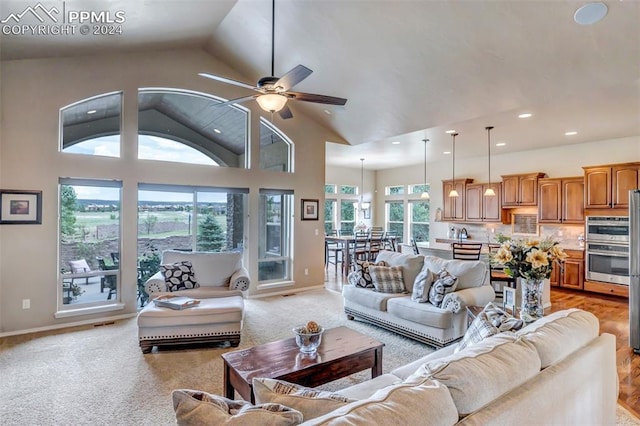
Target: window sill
<point>268,286</point>
<point>89,310</point>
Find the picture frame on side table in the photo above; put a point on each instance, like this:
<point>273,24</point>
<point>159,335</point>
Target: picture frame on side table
<point>20,207</point>
<point>509,300</point>
<point>309,209</point>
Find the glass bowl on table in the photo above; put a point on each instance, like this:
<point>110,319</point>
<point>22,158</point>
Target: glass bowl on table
<point>307,341</point>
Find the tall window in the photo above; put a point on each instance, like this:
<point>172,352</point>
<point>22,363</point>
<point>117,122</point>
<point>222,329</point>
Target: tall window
<point>92,126</point>
<point>275,148</point>
<point>89,238</point>
<point>419,220</point>
<point>329,215</point>
<point>347,215</point>
<point>395,218</point>
<point>274,243</point>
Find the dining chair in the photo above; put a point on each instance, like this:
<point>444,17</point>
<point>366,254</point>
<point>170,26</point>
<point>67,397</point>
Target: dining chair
<point>360,249</point>
<point>375,243</point>
<point>414,245</point>
<point>389,239</point>
<point>498,278</point>
<point>466,251</point>
<point>333,251</point>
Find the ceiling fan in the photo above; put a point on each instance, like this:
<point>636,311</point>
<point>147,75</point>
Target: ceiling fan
<point>274,92</point>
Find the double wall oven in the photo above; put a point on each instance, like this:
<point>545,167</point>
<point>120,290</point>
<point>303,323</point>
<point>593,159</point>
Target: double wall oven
<point>607,251</point>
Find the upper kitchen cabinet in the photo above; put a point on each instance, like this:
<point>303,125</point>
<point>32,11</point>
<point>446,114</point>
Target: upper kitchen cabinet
<point>520,190</point>
<point>481,208</point>
<point>561,200</point>
<point>608,186</point>
<point>454,207</point>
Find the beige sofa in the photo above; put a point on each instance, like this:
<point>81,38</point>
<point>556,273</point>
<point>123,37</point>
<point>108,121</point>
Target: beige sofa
<point>437,326</point>
<point>556,371</point>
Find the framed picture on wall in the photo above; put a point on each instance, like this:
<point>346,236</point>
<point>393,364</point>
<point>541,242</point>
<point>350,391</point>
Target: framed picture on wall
<point>309,209</point>
<point>20,207</point>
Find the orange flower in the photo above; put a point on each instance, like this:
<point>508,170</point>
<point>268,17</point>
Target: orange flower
<point>537,258</point>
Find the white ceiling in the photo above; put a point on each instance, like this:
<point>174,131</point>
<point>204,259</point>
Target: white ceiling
<point>410,69</point>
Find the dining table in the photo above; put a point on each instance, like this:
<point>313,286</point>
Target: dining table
<point>349,241</point>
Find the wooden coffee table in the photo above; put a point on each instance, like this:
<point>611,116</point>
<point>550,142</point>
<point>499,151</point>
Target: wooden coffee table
<point>342,352</point>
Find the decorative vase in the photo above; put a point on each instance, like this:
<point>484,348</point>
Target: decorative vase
<point>532,307</point>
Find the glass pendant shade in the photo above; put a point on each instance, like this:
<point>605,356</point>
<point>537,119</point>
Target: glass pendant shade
<point>271,102</point>
<point>489,191</point>
<point>453,192</point>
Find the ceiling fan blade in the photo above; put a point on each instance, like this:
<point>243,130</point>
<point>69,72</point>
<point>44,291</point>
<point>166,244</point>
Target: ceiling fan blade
<point>293,77</point>
<point>320,99</point>
<point>285,112</point>
<point>227,80</point>
<point>236,101</point>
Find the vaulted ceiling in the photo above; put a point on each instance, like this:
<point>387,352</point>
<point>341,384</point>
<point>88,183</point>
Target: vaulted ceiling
<point>409,69</point>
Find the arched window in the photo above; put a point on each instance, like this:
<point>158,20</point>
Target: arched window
<point>275,148</point>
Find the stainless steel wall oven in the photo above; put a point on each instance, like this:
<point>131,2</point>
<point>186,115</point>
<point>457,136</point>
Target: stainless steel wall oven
<point>607,254</point>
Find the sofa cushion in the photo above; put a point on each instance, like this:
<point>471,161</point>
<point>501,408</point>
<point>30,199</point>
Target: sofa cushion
<point>369,298</point>
<point>310,402</point>
<point>360,276</point>
<point>196,408</point>
<point>387,279</point>
<point>421,313</point>
<point>490,321</point>
<point>444,284</point>
<point>210,269</point>
<point>422,285</point>
<point>557,335</point>
<point>411,265</point>
<point>414,402</point>
<point>483,372</point>
<point>179,276</point>
<point>470,273</point>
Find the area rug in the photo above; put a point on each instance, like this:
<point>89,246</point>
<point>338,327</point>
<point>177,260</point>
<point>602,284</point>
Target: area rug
<point>98,375</point>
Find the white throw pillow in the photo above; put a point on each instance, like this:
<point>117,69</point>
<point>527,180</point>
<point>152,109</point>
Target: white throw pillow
<point>422,285</point>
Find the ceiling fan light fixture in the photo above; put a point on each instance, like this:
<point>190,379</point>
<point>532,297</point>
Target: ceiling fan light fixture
<point>271,102</point>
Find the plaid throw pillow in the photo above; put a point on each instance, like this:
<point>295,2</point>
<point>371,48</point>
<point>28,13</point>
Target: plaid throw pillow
<point>360,276</point>
<point>179,276</point>
<point>492,320</point>
<point>387,279</point>
<point>445,283</point>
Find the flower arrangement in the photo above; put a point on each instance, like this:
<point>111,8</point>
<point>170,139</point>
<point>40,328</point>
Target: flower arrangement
<point>529,259</point>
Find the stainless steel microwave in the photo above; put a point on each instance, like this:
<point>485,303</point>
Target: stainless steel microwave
<point>608,229</point>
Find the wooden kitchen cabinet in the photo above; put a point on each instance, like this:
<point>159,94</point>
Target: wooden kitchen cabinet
<point>608,186</point>
<point>520,190</point>
<point>454,207</point>
<point>570,272</point>
<point>561,200</point>
<point>481,208</point>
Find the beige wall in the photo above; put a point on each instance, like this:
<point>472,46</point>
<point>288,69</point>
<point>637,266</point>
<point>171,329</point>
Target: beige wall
<point>33,91</point>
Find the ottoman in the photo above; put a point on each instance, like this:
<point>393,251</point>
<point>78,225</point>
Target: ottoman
<point>213,320</point>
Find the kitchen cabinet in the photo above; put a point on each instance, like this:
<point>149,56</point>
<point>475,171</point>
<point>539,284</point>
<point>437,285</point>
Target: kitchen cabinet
<point>608,186</point>
<point>520,190</point>
<point>561,200</point>
<point>454,207</point>
<point>481,208</point>
<point>570,272</point>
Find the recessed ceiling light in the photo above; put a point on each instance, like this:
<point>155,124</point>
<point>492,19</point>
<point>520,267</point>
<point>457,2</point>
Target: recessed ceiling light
<point>501,144</point>
<point>447,152</point>
<point>525,115</point>
<point>590,13</point>
<point>450,132</point>
<point>326,111</point>
<point>91,111</point>
<point>570,133</point>
<point>395,143</point>
<point>217,130</point>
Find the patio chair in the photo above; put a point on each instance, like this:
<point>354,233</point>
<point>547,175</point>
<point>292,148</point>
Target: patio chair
<point>107,281</point>
<point>78,267</point>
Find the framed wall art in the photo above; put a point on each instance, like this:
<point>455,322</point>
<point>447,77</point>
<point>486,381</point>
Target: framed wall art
<point>509,298</point>
<point>20,207</point>
<point>309,209</point>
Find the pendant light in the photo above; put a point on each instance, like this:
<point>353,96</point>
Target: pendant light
<point>363,205</point>
<point>425,194</point>
<point>489,192</point>
<point>453,192</point>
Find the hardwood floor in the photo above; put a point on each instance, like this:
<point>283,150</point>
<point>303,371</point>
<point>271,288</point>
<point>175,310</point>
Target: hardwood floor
<point>613,313</point>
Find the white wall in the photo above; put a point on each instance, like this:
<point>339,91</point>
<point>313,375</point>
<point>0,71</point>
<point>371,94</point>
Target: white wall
<point>33,91</point>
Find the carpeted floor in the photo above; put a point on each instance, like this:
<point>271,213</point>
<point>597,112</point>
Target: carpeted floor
<point>98,375</point>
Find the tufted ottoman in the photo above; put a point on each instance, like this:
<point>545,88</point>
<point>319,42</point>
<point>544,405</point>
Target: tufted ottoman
<point>216,319</point>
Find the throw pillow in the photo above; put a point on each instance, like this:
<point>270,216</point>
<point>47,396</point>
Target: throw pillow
<point>387,279</point>
<point>445,283</point>
<point>360,276</point>
<point>179,276</point>
<point>490,321</point>
<point>195,408</point>
<point>309,401</point>
<point>422,285</point>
